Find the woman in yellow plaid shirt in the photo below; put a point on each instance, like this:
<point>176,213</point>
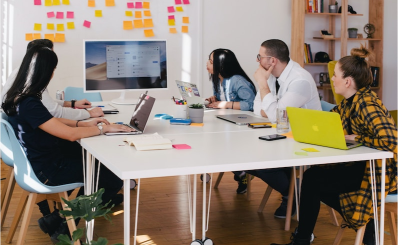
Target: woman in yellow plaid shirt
<point>346,186</point>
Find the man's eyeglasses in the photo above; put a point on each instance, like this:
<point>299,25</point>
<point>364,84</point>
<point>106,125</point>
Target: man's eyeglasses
<point>259,57</point>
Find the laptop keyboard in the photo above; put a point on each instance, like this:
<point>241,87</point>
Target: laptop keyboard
<point>128,125</point>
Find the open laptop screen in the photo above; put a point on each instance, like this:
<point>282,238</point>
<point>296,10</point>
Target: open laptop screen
<point>142,112</point>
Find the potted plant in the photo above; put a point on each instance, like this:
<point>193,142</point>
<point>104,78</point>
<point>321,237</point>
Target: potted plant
<point>333,8</point>
<point>196,113</point>
<point>352,32</point>
<point>88,208</point>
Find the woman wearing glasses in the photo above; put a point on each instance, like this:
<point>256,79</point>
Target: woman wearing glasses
<point>232,88</point>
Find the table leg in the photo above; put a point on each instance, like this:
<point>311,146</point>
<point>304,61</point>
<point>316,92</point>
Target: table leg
<point>382,204</point>
<point>204,211</point>
<point>194,208</point>
<point>88,185</point>
<point>126,211</point>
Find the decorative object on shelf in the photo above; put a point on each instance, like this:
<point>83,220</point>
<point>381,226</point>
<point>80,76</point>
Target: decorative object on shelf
<point>360,36</point>
<point>375,75</point>
<point>333,8</point>
<point>350,10</point>
<point>322,57</point>
<point>196,113</point>
<point>324,78</point>
<point>369,29</point>
<point>352,32</point>
<point>325,34</point>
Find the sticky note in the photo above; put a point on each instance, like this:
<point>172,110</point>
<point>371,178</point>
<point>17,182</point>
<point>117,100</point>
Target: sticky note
<point>138,24</point>
<point>138,14</point>
<point>56,2</point>
<point>50,26</point>
<point>174,30</point>
<point>28,36</point>
<point>179,9</point>
<point>197,124</point>
<point>171,17</point>
<point>60,15</point>
<point>37,2</point>
<point>170,9</point>
<point>127,25</point>
<point>310,150</point>
<point>130,5</point>
<point>149,33</point>
<point>59,37</point>
<point>49,37</point>
<point>184,29</point>
<point>301,153</point>
<point>109,3</point>
<point>172,22</point>
<point>70,15</point>
<point>185,1</point>
<point>129,13</point>
<point>87,24</point>
<point>181,146</point>
<point>178,1</point>
<point>148,23</point>
<point>70,25</point>
<point>185,20</point>
<point>48,3</point>
<point>138,5</point>
<point>50,14</point>
<point>147,13</point>
<point>98,13</point>
<point>37,27</point>
<point>289,134</point>
<point>91,3</point>
<point>146,5</point>
<point>65,2</point>
<point>60,27</point>
<point>36,36</point>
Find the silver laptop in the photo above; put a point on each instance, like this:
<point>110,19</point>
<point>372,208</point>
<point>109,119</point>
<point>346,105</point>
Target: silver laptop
<point>190,93</point>
<point>242,119</point>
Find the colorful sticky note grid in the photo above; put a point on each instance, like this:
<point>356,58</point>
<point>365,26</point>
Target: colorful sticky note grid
<point>48,3</point>
<point>173,30</point>
<point>70,25</point>
<point>59,37</point>
<point>87,24</point>
<point>170,9</point>
<point>127,25</point>
<point>130,5</point>
<point>37,27</point>
<point>185,1</point>
<point>109,3</point>
<point>36,36</point>
<point>310,150</point>
<point>185,20</point>
<point>146,5</point>
<point>36,2</point>
<point>60,15</point>
<point>172,22</point>
<point>49,37</point>
<point>148,23</point>
<point>138,14</point>
<point>171,17</point>
<point>28,36</point>
<point>98,13</point>
<point>179,9</point>
<point>70,15</point>
<point>50,26</point>
<point>60,27</point>
<point>182,146</point>
<point>129,13</point>
<point>91,3</point>
<point>138,24</point>
<point>149,33</point>
<point>50,14</point>
<point>65,2</point>
<point>184,29</point>
<point>138,5</point>
<point>178,1</point>
<point>301,153</point>
<point>147,13</point>
<point>56,2</point>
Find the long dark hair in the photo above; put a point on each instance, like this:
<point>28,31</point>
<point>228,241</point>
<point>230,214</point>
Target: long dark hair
<point>226,64</point>
<point>33,77</point>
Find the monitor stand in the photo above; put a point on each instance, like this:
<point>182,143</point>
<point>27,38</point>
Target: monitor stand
<point>123,101</point>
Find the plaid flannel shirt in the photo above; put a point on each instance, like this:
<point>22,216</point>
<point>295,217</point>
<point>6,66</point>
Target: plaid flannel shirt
<point>375,127</point>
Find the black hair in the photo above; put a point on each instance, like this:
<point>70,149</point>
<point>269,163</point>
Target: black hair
<point>278,49</point>
<point>43,42</point>
<point>33,77</point>
<point>226,64</point>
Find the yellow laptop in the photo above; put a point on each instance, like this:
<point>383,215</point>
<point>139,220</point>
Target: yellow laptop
<point>319,128</point>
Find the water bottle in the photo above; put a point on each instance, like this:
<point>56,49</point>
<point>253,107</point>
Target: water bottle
<point>282,121</point>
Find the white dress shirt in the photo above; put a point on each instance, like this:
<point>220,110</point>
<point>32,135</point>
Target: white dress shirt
<point>297,89</point>
<point>53,106</point>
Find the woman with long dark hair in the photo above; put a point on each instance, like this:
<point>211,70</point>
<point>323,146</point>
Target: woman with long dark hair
<point>232,88</point>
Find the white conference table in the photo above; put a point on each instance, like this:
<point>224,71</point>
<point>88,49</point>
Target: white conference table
<point>218,146</point>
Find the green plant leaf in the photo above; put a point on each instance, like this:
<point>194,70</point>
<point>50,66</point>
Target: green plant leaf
<point>64,240</point>
<point>77,234</point>
<point>100,241</point>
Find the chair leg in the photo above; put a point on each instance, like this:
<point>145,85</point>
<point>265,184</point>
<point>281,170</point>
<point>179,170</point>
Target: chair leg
<point>359,237</point>
<point>393,227</point>
<point>7,197</point>
<point>333,216</point>
<point>339,236</point>
<point>249,186</point>
<point>218,180</point>
<point>290,200</point>
<point>265,199</point>
<point>6,184</point>
<point>26,218</point>
<point>70,220</point>
<point>17,216</point>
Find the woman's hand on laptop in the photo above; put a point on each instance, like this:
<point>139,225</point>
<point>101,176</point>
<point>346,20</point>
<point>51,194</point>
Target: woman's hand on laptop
<point>82,104</point>
<point>350,137</point>
<point>212,99</point>
<point>113,128</point>
<point>218,104</point>
<point>93,122</point>
<point>96,112</point>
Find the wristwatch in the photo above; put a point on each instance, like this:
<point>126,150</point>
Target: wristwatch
<point>72,103</point>
<point>100,128</point>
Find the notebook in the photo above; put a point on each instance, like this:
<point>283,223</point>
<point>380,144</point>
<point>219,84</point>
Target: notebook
<point>149,142</point>
<point>242,119</point>
<point>140,116</point>
<point>319,128</point>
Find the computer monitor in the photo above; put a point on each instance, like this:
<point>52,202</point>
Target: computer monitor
<point>124,65</point>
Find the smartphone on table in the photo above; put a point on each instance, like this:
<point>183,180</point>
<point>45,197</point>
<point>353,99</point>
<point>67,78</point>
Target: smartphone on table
<point>272,137</point>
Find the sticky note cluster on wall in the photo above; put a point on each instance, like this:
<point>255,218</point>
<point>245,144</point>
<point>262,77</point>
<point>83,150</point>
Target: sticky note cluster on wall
<point>140,15</point>
<point>57,37</point>
<point>172,20</point>
<point>51,2</point>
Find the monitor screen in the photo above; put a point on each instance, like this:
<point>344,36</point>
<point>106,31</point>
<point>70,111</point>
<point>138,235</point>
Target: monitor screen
<point>117,65</point>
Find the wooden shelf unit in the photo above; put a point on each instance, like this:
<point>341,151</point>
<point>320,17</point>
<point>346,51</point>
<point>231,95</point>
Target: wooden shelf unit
<point>375,44</point>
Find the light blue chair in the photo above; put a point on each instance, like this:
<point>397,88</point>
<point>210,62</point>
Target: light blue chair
<point>76,93</point>
<point>326,106</point>
<point>33,190</point>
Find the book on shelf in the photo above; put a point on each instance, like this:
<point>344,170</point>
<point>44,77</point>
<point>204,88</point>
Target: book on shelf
<point>315,6</point>
<point>149,142</point>
<point>305,53</point>
<point>308,54</point>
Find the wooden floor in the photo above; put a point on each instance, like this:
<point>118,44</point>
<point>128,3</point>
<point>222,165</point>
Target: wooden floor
<point>164,219</point>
